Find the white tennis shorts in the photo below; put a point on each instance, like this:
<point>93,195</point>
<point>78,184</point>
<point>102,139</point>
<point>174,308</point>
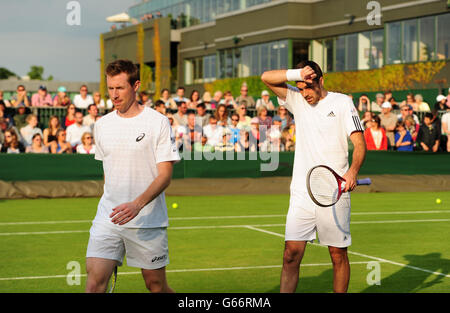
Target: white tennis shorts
<point>145,248</point>
<point>332,224</point>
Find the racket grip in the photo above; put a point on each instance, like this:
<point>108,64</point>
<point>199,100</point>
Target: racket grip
<point>364,181</point>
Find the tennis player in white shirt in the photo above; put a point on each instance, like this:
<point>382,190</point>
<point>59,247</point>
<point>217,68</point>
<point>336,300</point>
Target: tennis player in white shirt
<point>134,143</point>
<point>324,122</point>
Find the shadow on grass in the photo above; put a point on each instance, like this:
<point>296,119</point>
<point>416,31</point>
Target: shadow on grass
<point>322,283</point>
<point>414,279</point>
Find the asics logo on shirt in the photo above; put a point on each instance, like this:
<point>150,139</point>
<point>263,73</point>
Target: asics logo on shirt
<point>140,137</point>
<point>331,114</point>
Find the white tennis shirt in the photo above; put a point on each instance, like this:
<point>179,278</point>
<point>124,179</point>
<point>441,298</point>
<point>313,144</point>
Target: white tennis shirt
<point>130,149</point>
<point>322,132</point>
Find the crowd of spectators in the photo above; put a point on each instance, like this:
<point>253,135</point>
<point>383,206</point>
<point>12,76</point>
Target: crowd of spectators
<point>221,122</point>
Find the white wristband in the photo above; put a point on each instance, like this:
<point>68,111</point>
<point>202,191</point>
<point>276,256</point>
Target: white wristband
<point>294,75</point>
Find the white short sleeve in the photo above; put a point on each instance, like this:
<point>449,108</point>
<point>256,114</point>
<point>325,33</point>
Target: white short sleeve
<point>351,118</point>
<point>98,148</point>
<point>166,149</point>
<point>292,94</point>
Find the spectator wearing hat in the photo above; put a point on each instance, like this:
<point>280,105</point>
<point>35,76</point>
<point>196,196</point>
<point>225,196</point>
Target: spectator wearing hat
<point>61,99</point>
<point>265,101</point>
<point>406,110</point>
<point>20,98</point>
<point>83,99</point>
<point>419,105</point>
<point>388,121</point>
<point>428,136</point>
<point>42,98</point>
<point>379,100</point>
<point>441,103</point>
<point>375,136</point>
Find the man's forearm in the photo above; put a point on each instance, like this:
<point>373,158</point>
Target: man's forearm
<point>359,154</point>
<point>160,183</point>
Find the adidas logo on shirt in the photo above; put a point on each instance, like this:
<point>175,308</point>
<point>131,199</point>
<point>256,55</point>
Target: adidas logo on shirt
<point>331,114</point>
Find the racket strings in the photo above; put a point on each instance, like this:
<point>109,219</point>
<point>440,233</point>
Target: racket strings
<point>324,186</point>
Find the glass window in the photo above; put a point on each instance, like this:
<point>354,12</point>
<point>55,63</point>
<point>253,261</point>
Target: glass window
<point>443,37</point>
<point>236,61</point>
<point>410,41</point>
<point>245,65</point>
<point>329,55</point>
<point>394,35</point>
<point>213,66</point>
<point>228,63</point>
<point>364,51</point>
<point>206,67</point>
<point>340,53</point>
<point>427,36</point>
<point>352,52</point>
<point>284,54</point>
<point>255,61</point>
<point>222,64</point>
<point>376,52</point>
<point>274,53</point>
<point>265,54</point>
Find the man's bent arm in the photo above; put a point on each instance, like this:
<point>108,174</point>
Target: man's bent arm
<point>276,81</point>
<point>358,156</point>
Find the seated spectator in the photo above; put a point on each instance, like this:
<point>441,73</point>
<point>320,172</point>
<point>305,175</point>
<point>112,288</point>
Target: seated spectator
<point>12,143</point>
<point>30,129</point>
<point>216,100</point>
<point>202,116</point>
<point>4,114</point>
<point>202,145</point>
<point>60,146</point>
<point>403,139</point>
<point>388,122</point>
<point>180,96</point>
<point>37,146</point>
<point>87,144</point>
<point>364,103</point>
<point>3,100</point>
<point>244,119</point>
<point>20,98</point>
<point>255,136</point>
<point>76,130</point>
<point>180,116</point>
<point>441,103</point>
<point>194,100</point>
<point>446,129</point>
<point>406,110</point>
<point>61,99</point>
<point>213,131</point>
<point>287,141</point>
<point>243,145</point>
<point>206,99</point>
<point>265,101</point>
<point>375,106</point>
<point>409,100</point>
<point>228,100</point>
<point>412,127</point>
<point>144,99</point>
<point>274,135</point>
<point>20,118</point>
<point>98,101</point>
<point>428,136</point>
<point>3,126</point>
<point>42,98</point>
<point>394,103</point>
<point>419,105</point>
<point>90,118</point>
<point>375,136</point>
<point>168,101</point>
<point>283,114</point>
<point>83,99</point>
<point>222,115</point>
<point>264,118</point>
<point>249,101</point>
<point>192,133</point>
<point>366,119</point>
<point>225,145</point>
<point>50,132</point>
<point>160,107</point>
<point>234,128</point>
<point>70,116</point>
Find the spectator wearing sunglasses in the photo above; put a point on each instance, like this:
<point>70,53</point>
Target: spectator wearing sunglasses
<point>87,144</point>
<point>37,145</point>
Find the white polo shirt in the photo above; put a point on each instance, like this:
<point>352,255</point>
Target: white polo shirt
<point>322,133</point>
<point>130,149</point>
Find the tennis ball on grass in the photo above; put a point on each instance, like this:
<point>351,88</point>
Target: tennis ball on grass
<point>174,205</point>
<point>438,201</point>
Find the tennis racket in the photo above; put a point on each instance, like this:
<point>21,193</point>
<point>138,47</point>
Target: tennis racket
<point>113,281</point>
<point>325,186</point>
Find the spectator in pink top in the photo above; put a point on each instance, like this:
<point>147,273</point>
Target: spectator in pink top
<point>42,98</point>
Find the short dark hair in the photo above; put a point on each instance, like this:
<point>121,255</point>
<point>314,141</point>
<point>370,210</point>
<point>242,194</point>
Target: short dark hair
<point>91,105</point>
<point>181,87</point>
<point>159,103</point>
<point>429,115</point>
<point>201,105</point>
<point>124,66</point>
<point>312,65</point>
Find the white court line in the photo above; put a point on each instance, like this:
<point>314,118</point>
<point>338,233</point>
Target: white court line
<point>360,254</point>
<point>224,227</point>
<point>177,271</point>
<point>225,217</point>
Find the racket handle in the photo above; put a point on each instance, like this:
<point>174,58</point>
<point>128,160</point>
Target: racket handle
<point>364,181</point>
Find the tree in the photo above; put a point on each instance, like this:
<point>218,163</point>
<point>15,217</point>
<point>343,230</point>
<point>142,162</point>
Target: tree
<point>36,72</point>
<point>5,73</point>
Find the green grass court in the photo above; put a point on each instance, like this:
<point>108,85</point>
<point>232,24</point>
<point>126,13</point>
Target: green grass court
<point>235,243</point>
